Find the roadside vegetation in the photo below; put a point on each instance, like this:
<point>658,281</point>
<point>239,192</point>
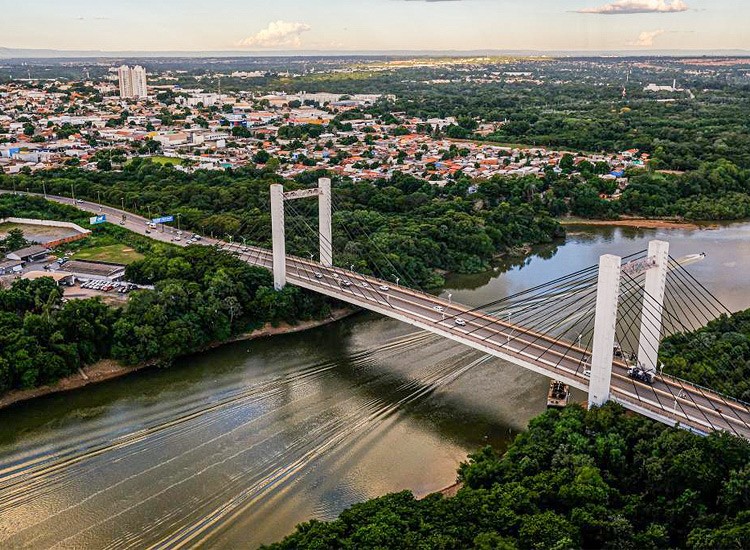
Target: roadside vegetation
<point>403,226</point>
<point>716,356</point>
<point>201,297</point>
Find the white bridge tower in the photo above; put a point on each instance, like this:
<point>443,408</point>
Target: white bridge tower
<point>611,271</point>
<point>278,197</point>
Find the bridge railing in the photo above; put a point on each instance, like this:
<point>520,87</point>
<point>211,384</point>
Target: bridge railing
<point>711,391</point>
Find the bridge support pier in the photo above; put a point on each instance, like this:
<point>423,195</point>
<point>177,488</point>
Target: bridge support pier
<point>277,232</point>
<point>653,306</point>
<point>607,297</point>
<point>324,222</point>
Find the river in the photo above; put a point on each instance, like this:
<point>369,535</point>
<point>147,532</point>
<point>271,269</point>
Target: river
<point>233,447</point>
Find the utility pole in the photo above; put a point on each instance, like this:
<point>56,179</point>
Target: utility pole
<point>73,192</point>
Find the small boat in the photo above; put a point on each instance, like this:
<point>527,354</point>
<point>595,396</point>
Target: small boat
<point>691,259</point>
<point>558,395</point>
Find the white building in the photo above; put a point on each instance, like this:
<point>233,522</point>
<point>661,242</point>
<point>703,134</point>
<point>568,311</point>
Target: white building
<point>132,81</point>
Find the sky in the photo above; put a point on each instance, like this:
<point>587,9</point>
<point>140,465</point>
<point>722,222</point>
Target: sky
<point>375,25</point>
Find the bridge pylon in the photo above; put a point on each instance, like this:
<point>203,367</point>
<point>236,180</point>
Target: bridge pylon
<point>605,325</point>
<point>653,305</point>
<point>655,266</point>
<point>325,232</point>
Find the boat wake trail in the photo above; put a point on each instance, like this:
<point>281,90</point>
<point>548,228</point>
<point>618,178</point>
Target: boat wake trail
<point>178,474</point>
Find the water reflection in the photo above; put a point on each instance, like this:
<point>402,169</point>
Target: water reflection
<point>241,443</point>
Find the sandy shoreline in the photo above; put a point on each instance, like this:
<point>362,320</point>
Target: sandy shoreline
<point>108,369</point>
<point>640,223</point>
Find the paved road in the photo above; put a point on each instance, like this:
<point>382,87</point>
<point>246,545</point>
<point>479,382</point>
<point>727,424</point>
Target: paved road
<point>668,400</point>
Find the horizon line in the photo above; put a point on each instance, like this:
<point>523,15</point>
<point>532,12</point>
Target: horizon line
<point>41,53</point>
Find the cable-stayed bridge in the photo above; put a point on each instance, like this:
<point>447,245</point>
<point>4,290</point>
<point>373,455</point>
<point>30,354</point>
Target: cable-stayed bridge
<point>598,329</point>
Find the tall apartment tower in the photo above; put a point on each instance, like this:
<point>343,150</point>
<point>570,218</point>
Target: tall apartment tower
<point>132,81</point>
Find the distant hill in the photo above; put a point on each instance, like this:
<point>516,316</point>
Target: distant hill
<point>26,53</point>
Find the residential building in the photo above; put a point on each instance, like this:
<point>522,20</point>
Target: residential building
<point>132,81</point>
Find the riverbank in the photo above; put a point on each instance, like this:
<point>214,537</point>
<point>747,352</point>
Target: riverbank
<point>639,223</point>
<point>108,369</point>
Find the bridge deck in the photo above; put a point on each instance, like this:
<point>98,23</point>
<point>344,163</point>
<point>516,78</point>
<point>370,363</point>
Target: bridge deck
<point>668,400</point>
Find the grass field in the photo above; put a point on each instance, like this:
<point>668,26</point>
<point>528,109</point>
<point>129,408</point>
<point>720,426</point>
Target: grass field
<point>114,253</point>
<point>157,159</point>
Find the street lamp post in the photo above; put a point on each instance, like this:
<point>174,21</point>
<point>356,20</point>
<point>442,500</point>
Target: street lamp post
<point>178,222</point>
<point>44,188</point>
<point>509,329</point>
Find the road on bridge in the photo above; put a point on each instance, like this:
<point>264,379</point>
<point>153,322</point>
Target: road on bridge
<point>668,400</point>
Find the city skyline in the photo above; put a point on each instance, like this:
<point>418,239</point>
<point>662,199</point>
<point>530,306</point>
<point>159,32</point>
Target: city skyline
<point>341,25</point>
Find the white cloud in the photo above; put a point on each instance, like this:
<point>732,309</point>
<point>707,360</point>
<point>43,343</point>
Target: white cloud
<point>277,34</point>
<point>639,6</point>
<point>646,38</point>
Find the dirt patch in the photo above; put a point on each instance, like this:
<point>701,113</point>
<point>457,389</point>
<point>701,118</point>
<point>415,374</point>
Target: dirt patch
<point>98,372</point>
<point>448,492</point>
<point>284,328</point>
<point>638,223</point>
<point>37,233</point>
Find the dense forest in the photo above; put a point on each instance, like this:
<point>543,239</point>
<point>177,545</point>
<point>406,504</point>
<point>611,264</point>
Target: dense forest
<point>576,479</point>
<point>716,356</point>
<point>201,296</point>
<point>403,225</point>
